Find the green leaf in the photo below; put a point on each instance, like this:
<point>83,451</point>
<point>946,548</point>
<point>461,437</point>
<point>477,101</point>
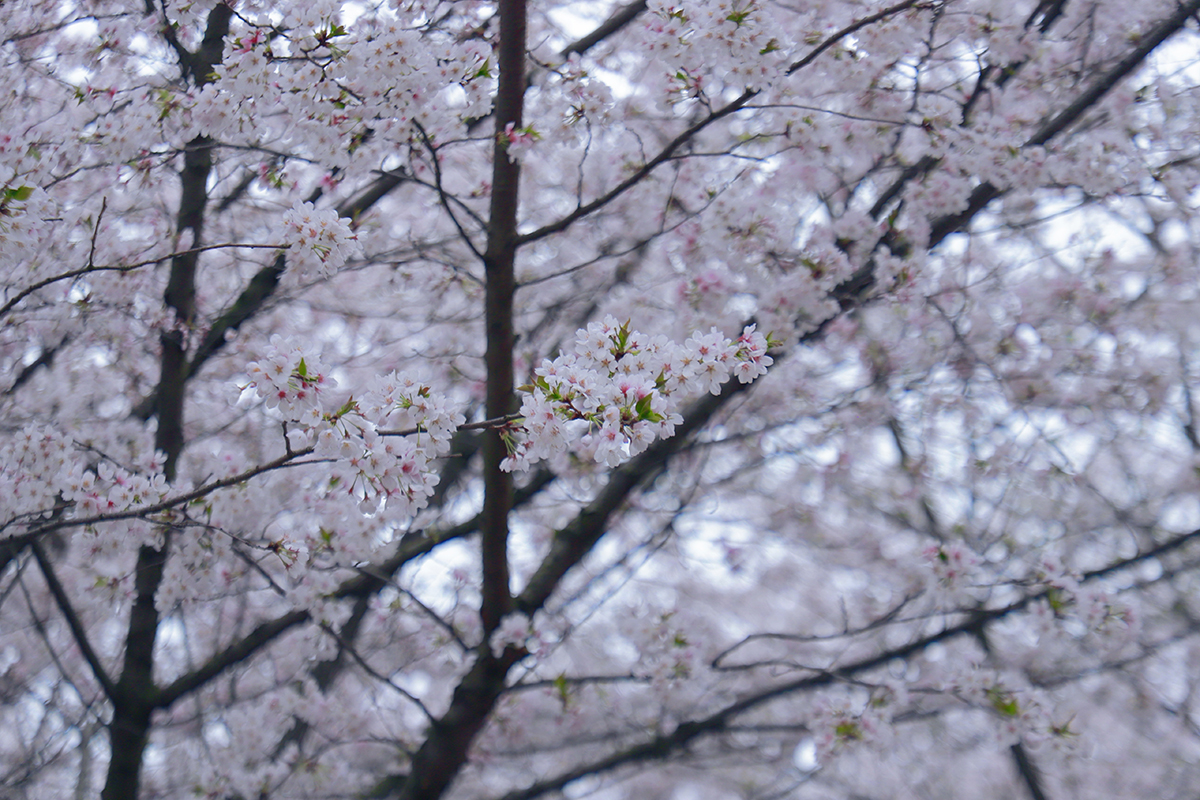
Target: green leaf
<point>622,337</point>
<point>560,686</point>
<point>848,730</point>
<point>1004,702</point>
<point>645,412</point>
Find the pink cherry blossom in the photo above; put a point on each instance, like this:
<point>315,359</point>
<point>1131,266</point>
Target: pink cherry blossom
<point>689,398</point>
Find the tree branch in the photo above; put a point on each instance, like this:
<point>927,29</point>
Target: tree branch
<point>90,268</point>
<point>73,622</point>
<point>262,286</point>
<point>616,22</point>
<point>663,156</point>
<point>370,580</point>
<point>133,700</point>
<point>986,192</point>
<point>233,654</point>
<point>440,189</point>
<point>853,27</point>
<point>499,262</point>
<point>665,745</point>
<point>574,541</point>
<point>734,105</point>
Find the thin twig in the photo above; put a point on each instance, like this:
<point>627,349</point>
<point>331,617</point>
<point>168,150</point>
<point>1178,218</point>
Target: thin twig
<point>75,273</point>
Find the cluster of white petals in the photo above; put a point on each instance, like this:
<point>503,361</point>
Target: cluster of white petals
<point>320,241</point>
<point>621,389</point>
<point>382,443</point>
<point>31,464</point>
<point>43,471</point>
<point>24,217</point>
<point>109,489</point>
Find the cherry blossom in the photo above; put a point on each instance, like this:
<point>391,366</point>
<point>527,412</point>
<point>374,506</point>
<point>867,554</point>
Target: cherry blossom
<point>684,398</point>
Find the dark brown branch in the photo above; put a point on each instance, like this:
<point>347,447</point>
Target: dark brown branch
<point>378,189</point>
<point>439,759</point>
<point>180,297</point>
<point>573,542</point>
<point>499,263</point>
<point>235,653</point>
<point>10,550</point>
<point>445,751</point>
<point>986,192</point>
<point>667,744</point>
<point>238,192</point>
<point>262,286</point>
<point>662,157</point>
<point>143,512</point>
<point>90,268</point>
<point>1025,766</point>
<point>736,104</point>
<point>1101,86</point>
<point>326,673</point>
<point>44,359</point>
<point>73,622</point>
<point>369,581</point>
<point>135,694</point>
<point>853,27</point>
<point>1028,771</point>
<point>248,303</point>
<point>363,585</point>
<point>616,22</point>
<point>923,166</point>
<point>485,424</point>
<point>440,189</point>
<point>1049,11</point>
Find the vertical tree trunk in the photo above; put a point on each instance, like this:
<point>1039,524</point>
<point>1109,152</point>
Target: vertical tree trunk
<point>135,698</point>
<point>443,754</point>
<point>499,260</point>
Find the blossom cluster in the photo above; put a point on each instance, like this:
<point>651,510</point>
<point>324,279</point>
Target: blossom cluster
<point>667,650</point>
<point>953,564</point>
<point>842,723</point>
<point>1020,714</point>
<point>620,390</point>
<point>109,489</point>
<point>1079,608</point>
<point>538,637</point>
<point>319,240</point>
<point>30,465</point>
<point>382,442</point>
<point>737,35</point>
<point>23,214</point>
<point>40,469</point>
<point>340,85</point>
<point>290,383</point>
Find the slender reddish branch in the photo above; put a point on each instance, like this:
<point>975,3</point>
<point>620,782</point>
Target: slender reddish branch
<point>499,260</point>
